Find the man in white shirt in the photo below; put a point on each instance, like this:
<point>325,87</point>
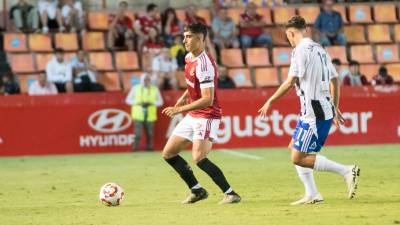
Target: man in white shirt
<point>164,67</point>
<point>73,15</point>
<point>42,87</point>
<point>50,15</point>
<point>317,85</point>
<point>59,71</point>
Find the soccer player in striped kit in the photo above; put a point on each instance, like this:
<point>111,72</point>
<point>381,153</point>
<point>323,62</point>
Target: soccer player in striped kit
<point>317,86</point>
<point>200,124</point>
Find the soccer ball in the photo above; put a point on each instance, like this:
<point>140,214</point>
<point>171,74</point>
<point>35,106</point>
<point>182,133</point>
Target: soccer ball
<point>111,194</point>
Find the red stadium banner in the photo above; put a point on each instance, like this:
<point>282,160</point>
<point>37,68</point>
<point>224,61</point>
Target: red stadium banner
<point>100,122</point>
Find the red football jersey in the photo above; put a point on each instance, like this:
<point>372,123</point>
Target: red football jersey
<point>202,72</point>
<point>147,22</point>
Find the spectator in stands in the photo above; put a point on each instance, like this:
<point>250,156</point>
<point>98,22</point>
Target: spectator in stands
<point>171,26</point>
<point>383,78</point>
<point>42,87</point>
<point>59,72</point>
<point>251,28</point>
<point>329,23</point>
<point>73,15</point>
<point>225,32</point>
<point>50,15</point>
<point>178,52</point>
<point>339,68</point>
<point>224,81</point>
<point>8,84</point>
<point>354,77</point>
<point>144,99</point>
<point>25,16</point>
<point>192,17</point>
<point>120,33</point>
<point>84,74</point>
<point>164,67</point>
<point>148,28</point>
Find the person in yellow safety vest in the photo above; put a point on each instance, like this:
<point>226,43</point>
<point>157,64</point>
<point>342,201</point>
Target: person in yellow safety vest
<point>144,99</point>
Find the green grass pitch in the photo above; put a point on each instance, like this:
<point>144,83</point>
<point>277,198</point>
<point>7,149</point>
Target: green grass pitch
<point>58,190</point>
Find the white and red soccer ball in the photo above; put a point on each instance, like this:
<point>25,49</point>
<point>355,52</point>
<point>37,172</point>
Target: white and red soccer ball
<point>111,194</point>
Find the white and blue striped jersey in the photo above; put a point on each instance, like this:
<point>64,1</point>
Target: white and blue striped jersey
<point>314,69</point>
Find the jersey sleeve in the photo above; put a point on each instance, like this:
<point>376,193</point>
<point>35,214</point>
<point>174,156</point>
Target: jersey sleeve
<point>205,73</point>
<point>298,63</point>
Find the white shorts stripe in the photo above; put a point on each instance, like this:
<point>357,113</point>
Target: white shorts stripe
<point>307,140</point>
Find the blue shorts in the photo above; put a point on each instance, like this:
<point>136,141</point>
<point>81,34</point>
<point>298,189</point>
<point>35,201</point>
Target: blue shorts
<point>304,138</point>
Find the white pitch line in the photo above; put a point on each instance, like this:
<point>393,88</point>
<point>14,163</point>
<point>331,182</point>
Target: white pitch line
<point>241,154</point>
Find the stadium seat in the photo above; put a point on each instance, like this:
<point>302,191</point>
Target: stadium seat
<point>360,13</point>
<point>387,53</point>
<point>394,71</point>
<point>42,59</point>
<point>14,42</point>
<point>266,77</point>
<point>281,56</point>
<point>235,13</point>
<point>342,10</point>
<point>278,36</point>
<point>355,34</point>
<point>126,60</point>
<point>241,77</point>
<point>369,70</point>
<point>284,73</point>
<point>93,41</point>
<point>232,57</point>
<point>266,13</point>
<point>180,76</point>
<point>101,60</point>
<point>257,57</point>
<point>40,42</point>
<point>98,20</point>
<point>110,80</point>
<point>309,13</point>
<point>379,33</point>
<point>338,52</point>
<point>21,63</point>
<point>26,80</point>
<point>397,32</point>
<point>130,79</point>
<point>67,41</point>
<point>283,14</point>
<point>362,53</point>
<point>205,13</point>
<point>385,13</point>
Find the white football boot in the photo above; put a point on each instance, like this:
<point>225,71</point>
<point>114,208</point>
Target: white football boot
<point>309,200</point>
<point>351,179</point>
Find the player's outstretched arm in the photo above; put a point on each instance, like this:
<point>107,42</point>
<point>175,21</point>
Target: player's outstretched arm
<point>206,100</point>
<point>282,90</point>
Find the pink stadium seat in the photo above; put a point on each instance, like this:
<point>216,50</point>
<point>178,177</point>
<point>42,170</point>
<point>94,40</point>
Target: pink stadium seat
<point>385,13</point>
<point>394,71</point>
<point>387,53</point>
<point>42,59</point>
<point>26,80</point>
<point>379,33</point>
<point>130,79</point>
<point>309,13</point>
<point>126,60</point>
<point>338,52</point>
<point>235,13</point>
<point>101,60</point>
<point>281,56</point>
<point>266,13</point>
<point>98,20</point>
<point>283,14</point>
<point>257,57</point>
<point>342,10</point>
<point>15,42</point>
<point>92,41</point>
<point>278,36</point>
<point>232,57</point>
<point>241,77</point>
<point>40,42</point>
<point>362,53</point>
<point>266,77</point>
<point>22,63</point>
<point>369,70</point>
<point>355,34</point>
<point>284,73</point>
<point>110,80</point>
<point>360,13</point>
<point>397,32</point>
<point>67,41</point>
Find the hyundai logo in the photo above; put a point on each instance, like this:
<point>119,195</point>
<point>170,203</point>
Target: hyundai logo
<point>109,120</point>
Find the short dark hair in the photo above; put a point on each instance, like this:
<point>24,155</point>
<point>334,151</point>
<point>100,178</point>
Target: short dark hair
<point>150,7</point>
<point>296,22</point>
<point>197,28</point>
<point>336,61</point>
<point>354,63</point>
<point>59,50</point>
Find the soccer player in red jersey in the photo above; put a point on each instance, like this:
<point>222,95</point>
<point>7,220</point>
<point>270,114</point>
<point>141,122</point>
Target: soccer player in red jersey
<point>202,120</point>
